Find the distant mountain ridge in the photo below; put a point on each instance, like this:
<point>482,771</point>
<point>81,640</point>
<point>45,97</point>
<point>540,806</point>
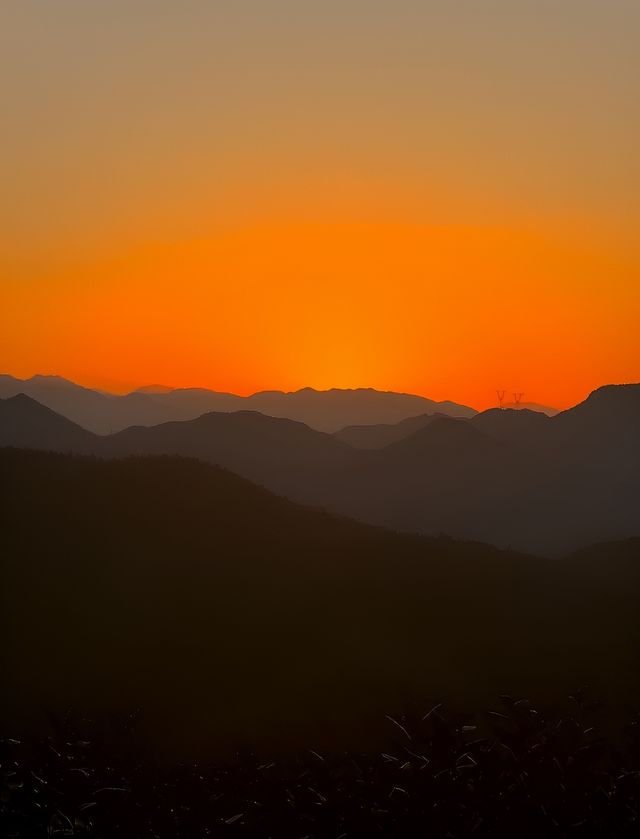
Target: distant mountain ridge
<point>328,410</point>
<point>510,478</point>
<point>381,435</point>
<point>93,410</point>
<point>153,389</point>
<point>531,406</point>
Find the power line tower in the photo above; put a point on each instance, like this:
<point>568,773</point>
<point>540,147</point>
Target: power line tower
<point>517,397</point>
<point>501,395</point>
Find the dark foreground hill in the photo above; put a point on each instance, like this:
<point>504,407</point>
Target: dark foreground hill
<point>230,615</point>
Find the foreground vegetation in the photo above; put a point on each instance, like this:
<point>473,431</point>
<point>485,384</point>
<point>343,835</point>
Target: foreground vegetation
<point>511,772</point>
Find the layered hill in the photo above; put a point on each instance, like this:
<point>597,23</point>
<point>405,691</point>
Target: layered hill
<point>285,456</point>
<point>544,484</point>
<point>93,410</point>
<point>25,423</point>
<point>330,410</point>
<point>383,434</point>
<point>327,410</point>
<point>511,478</point>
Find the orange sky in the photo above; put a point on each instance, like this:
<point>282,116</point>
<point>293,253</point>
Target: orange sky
<point>405,196</point>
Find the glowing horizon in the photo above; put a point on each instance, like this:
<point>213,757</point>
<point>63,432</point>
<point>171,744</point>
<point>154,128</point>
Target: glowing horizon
<point>423,198</point>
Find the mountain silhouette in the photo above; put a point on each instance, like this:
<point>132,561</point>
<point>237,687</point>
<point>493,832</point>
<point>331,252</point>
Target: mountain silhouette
<point>543,484</point>
<point>331,410</point>
<point>381,435</point>
<point>531,406</point>
<point>286,456</point>
<point>510,478</point>
<point>153,389</point>
<point>327,410</point>
<point>497,421</point>
<point>508,425</point>
<point>96,411</point>
<point>224,611</point>
<point>617,405</point>
<point>25,423</point>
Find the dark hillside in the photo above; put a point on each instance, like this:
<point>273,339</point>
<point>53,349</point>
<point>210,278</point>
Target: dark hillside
<point>229,614</point>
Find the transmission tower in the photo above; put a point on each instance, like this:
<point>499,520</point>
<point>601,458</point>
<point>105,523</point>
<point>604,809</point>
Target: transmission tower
<point>501,395</point>
<point>517,397</point>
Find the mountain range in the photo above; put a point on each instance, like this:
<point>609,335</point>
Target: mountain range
<point>328,410</point>
<point>542,484</point>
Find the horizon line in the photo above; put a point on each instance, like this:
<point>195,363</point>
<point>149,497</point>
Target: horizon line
<point>168,389</point>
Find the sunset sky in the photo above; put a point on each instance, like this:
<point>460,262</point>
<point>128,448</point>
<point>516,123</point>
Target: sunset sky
<point>439,197</point>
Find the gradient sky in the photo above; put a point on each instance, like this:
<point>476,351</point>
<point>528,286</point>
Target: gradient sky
<point>436,197</point>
